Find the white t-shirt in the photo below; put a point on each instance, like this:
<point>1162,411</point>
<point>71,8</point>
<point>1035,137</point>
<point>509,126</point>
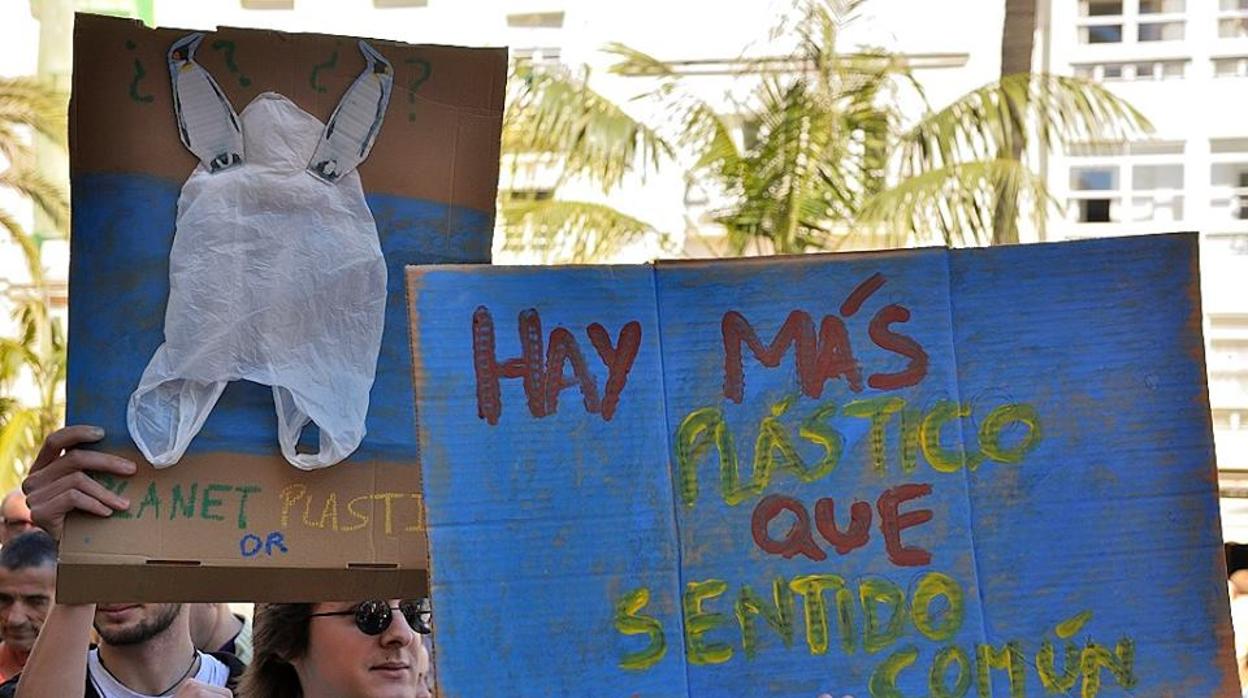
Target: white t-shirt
<point>211,671</point>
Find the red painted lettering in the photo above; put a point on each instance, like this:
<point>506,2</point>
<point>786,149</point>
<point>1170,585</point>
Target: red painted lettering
<point>818,360</point>
<point>859,525</point>
<point>893,523</point>
<point>797,541</point>
<point>617,359</point>
<point>888,340</point>
<point>564,349</point>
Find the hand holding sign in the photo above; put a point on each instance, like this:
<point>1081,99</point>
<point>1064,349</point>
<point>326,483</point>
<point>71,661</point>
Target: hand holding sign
<point>59,483</point>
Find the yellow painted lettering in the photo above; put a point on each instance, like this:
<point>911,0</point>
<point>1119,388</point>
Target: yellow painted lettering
<point>778,614</point>
<point>388,498</point>
<point>361,518</point>
<point>699,622</point>
<point>329,513</point>
<point>880,411</point>
<point>883,681</point>
<point>288,496</point>
<point>875,592</point>
<point>629,622</point>
<point>811,587</point>
<point>931,586</point>
<point>937,683</point>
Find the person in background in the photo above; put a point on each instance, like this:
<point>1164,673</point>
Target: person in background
<point>215,628</point>
<point>27,591</point>
<point>145,649</point>
<point>372,649</point>
<point>16,516</point>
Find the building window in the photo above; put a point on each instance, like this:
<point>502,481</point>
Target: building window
<point>536,20</point>
<point>1101,34</point>
<point>1158,7</point>
<point>1236,67</point>
<point>1149,70</point>
<point>1100,8</point>
<point>1160,31</point>
<point>1158,192</point>
<point>1233,27</point>
<point>1129,185</point>
<point>1093,194</point>
<point>1230,190</point>
<point>539,56</point>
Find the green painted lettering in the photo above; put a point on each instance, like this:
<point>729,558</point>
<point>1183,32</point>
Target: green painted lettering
<point>874,592</point>
<point>930,586</point>
<point>629,622</point>
<point>698,622</point>
<point>1010,658</point>
<point>1121,664</point>
<point>880,411</point>
<point>816,430</point>
<point>151,499</point>
<point>883,682</point>
<point>245,491</point>
<point>1053,680</point>
<point>208,503</point>
<point>996,422</point>
<point>184,505</point>
<point>945,658</point>
<point>778,614</point>
<point>811,587</point>
<point>940,458</point>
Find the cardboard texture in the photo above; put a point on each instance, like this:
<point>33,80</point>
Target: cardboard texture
<point>945,473</point>
<point>233,520</point>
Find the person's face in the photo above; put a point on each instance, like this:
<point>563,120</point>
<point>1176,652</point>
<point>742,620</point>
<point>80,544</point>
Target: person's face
<point>16,518</point>
<point>134,623</point>
<point>26,595</point>
<point>342,661</point>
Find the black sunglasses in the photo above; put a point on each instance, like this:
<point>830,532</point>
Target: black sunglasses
<point>373,617</point>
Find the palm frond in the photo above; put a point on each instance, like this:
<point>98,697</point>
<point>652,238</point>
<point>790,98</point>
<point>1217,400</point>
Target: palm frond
<point>694,125</point>
<point>1026,108</point>
<point>32,102</point>
<point>955,205</point>
<point>553,113</point>
<point>30,250</point>
<point>50,198</point>
<point>570,231</point>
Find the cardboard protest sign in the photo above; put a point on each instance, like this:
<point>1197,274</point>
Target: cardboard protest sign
<point>232,519</point>
<point>919,473</point>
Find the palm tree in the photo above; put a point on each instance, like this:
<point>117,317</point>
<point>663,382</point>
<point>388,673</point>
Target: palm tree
<point>554,120</point>
<point>835,160</point>
<point>36,355</point>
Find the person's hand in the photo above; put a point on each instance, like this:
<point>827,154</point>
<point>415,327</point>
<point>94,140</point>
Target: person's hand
<point>58,482</point>
<point>196,689</point>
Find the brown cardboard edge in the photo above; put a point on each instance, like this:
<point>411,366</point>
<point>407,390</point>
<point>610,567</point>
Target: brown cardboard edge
<point>111,583</point>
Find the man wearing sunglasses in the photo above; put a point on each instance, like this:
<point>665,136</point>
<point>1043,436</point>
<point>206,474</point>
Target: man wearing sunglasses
<point>145,649</point>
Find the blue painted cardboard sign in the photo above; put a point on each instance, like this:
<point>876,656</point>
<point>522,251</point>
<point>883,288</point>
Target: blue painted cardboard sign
<point>920,473</point>
<point>232,519</point>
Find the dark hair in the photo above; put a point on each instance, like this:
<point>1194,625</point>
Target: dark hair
<point>279,634</point>
<point>31,549</point>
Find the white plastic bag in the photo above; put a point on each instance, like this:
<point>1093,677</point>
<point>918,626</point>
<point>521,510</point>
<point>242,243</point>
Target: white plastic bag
<point>276,275</point>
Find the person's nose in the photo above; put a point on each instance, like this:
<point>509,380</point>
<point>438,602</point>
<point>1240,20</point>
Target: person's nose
<point>399,633</point>
<point>16,614</point>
